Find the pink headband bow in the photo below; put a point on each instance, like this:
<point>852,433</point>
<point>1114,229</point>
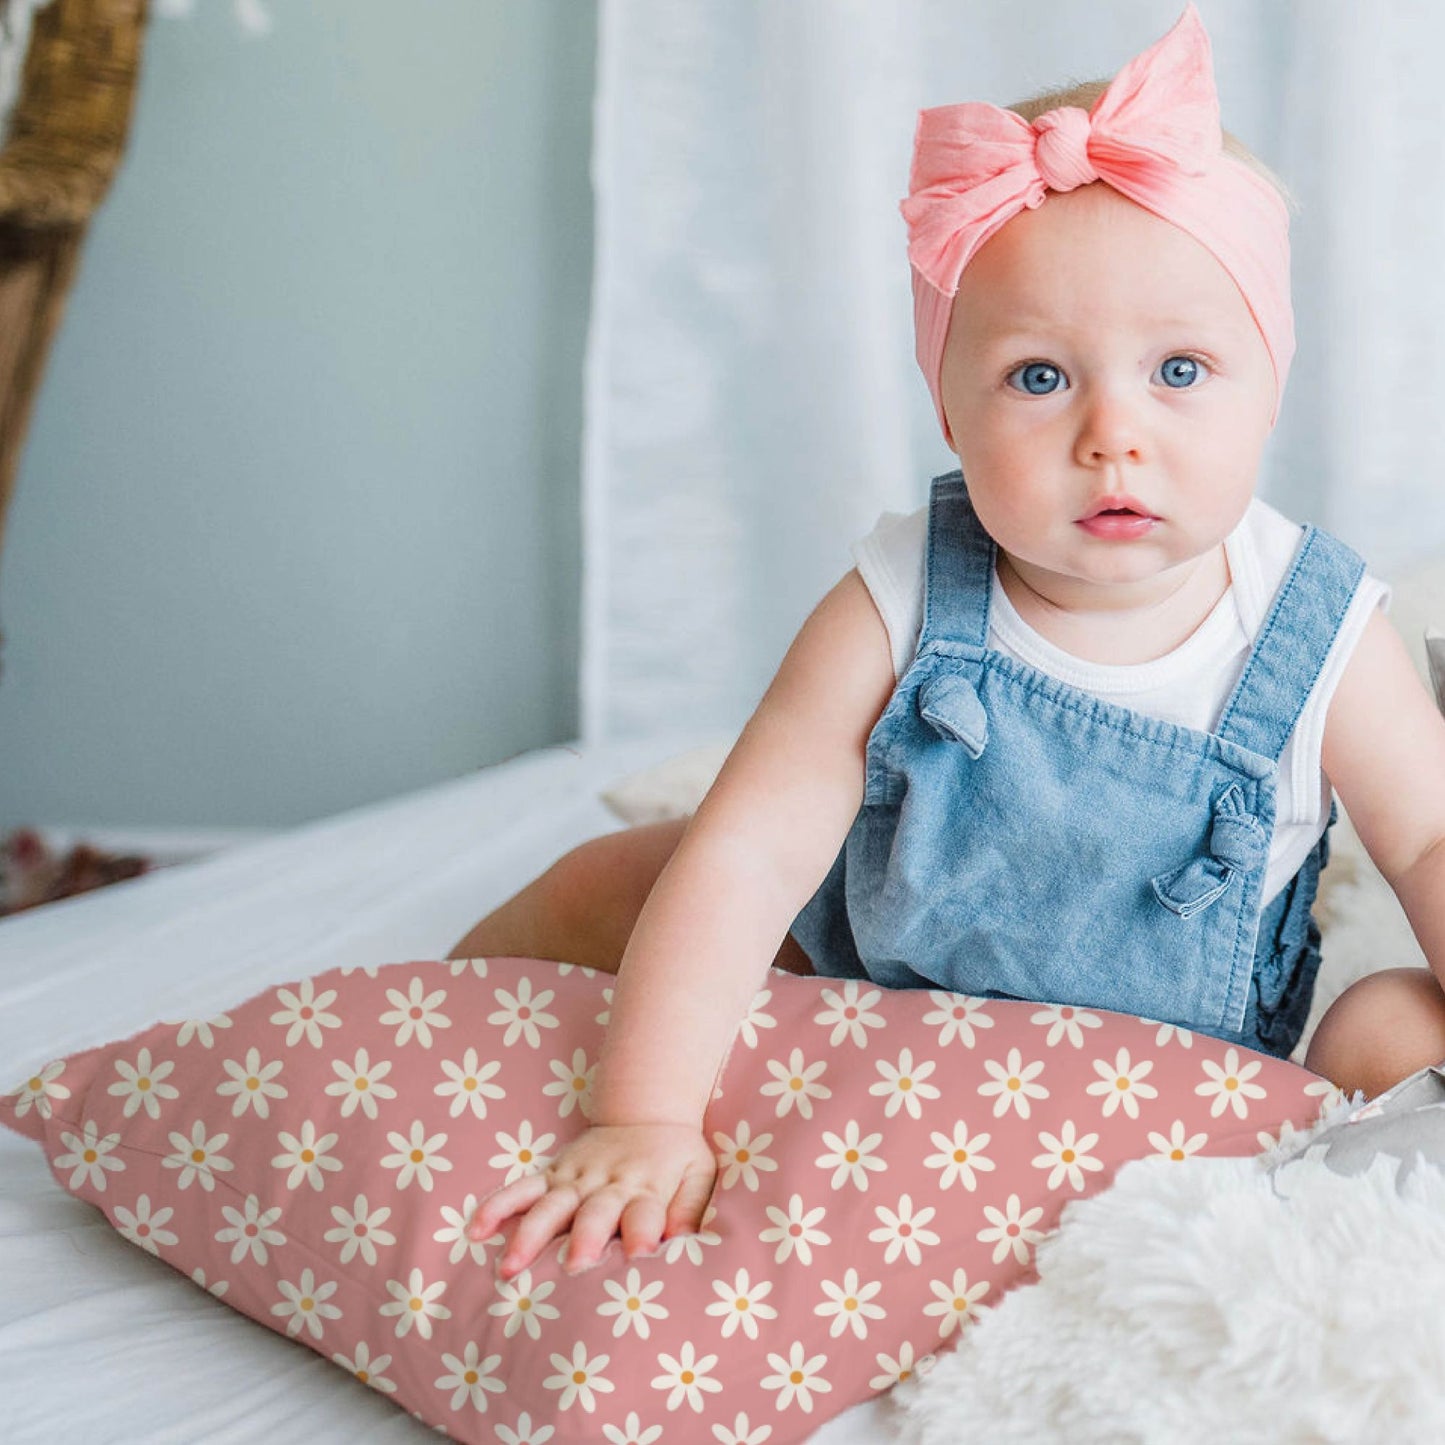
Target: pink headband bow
<point>1153,136</point>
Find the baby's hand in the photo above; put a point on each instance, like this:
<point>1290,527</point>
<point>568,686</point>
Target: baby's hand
<point>644,1182</point>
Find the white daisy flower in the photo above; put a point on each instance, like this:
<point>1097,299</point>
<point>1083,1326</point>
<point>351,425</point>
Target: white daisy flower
<point>467,1084</point>
<point>742,1156</point>
<point>1012,1082</point>
<point>303,1305</point>
<point>741,1304</point>
<point>956,1301</point>
<point>740,1432</point>
<point>145,1228</point>
<point>415,1304</point>
<point>38,1090</point>
<point>366,1369</point>
<point>756,1018</point>
<point>1066,1021</point>
<point>198,1158</point>
<point>573,1085</point>
<point>1179,1144</point>
<point>359,1230</point>
<point>1120,1084</point>
<point>198,1278</point>
<point>795,1084</point>
<point>307,1158</point>
<point>202,1030</point>
<point>796,1231</point>
<point>956,1016</point>
<point>523,1154</point>
<point>686,1377</point>
<point>522,1305</point>
<point>849,1011</point>
<point>851,1156</point>
<point>416,1013</point>
<point>606,1015</point>
<point>1229,1085</point>
<point>523,1013</point>
<point>416,1156</point>
<point>631,1432</point>
<point>1067,1156</point>
<point>959,1157</point>
<point>796,1378</point>
<point>89,1157</point>
<point>578,1378</point>
<point>849,1305</point>
<point>369,969</point>
<point>142,1084</point>
<point>632,1303</point>
<point>1011,1232</point>
<point>471,1378</point>
<point>253,1084</point>
<point>455,1233</point>
<point>459,966</point>
<point>1164,1032</point>
<point>359,1084</point>
<point>894,1372</point>
<point>903,1230</point>
<point>903,1084</point>
<point>304,1013</point>
<point>250,1232</point>
<point>526,1433</point>
<point>692,1245</point>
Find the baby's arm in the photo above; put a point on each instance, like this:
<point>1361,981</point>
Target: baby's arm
<point>1384,752</point>
<point>760,844</point>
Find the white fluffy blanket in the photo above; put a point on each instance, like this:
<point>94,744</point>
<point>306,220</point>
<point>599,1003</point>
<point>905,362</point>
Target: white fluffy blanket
<point>1213,1301</point>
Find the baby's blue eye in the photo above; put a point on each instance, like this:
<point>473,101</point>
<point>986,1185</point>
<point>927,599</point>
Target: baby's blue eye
<point>1038,378</point>
<point>1179,371</point>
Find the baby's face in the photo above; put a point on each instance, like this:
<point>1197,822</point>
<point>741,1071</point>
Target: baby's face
<point>1099,356</point>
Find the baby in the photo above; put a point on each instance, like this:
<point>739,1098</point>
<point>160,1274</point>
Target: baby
<point>1071,732</point>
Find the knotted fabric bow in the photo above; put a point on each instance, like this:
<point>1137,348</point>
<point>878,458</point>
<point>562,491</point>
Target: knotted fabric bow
<point>1153,136</point>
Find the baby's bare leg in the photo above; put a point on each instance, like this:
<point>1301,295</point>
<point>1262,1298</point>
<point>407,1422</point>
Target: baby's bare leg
<point>583,908</point>
<point>1382,1029</point>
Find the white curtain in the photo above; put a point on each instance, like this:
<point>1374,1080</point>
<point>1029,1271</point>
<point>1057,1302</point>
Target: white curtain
<point>751,399</point>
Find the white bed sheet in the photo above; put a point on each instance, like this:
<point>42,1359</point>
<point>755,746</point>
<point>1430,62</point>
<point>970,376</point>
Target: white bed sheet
<point>100,1342</point>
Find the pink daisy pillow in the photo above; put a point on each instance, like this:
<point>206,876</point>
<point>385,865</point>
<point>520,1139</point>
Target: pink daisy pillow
<point>887,1163</point>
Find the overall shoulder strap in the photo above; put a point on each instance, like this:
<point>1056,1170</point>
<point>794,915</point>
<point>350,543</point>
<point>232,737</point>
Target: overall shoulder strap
<point>959,571</point>
<point>1293,643</point>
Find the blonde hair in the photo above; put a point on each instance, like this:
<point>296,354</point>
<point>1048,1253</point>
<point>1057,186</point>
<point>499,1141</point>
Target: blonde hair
<point>1084,93</point>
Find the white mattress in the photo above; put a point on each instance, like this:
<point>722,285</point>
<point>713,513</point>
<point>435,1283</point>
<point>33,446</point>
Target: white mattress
<point>100,1342</point>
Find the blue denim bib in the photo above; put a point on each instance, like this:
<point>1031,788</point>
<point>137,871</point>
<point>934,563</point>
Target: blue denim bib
<point>1021,838</point>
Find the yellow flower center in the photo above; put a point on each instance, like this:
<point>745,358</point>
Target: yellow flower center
<point>470,1377</point>
<point>742,1156</point>
<point>1231,1083</point>
<point>959,1155</point>
<point>307,1156</point>
<point>524,1303</point>
<point>795,1377</point>
<point>1176,1153</point>
<point>142,1083</point>
<point>417,1155</point>
<point>633,1303</point>
<point>1015,1083</point>
<point>198,1156</point>
<point>795,1083</point>
<point>1067,1156</point>
<point>740,1302</point>
<point>90,1156</point>
<point>579,1377</point>
<point>363,1084</point>
<point>851,1156</point>
<point>687,1377</point>
<point>253,1083</point>
<point>1121,1082</point>
<point>524,1156</point>
<point>35,1085</point>
<point>416,1304</point>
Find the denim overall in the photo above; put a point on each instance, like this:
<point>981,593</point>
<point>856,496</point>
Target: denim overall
<point>1021,838</point>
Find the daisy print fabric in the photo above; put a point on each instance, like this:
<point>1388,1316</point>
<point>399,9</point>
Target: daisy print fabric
<point>887,1164</point>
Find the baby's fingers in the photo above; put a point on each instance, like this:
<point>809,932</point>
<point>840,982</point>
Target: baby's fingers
<point>596,1224</point>
<point>501,1204</point>
<point>538,1227</point>
<point>685,1209</point>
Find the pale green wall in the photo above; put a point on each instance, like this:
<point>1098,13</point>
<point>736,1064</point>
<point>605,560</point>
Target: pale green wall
<point>297,526</point>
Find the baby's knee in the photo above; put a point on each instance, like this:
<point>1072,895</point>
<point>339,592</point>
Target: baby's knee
<point>1380,1030</point>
